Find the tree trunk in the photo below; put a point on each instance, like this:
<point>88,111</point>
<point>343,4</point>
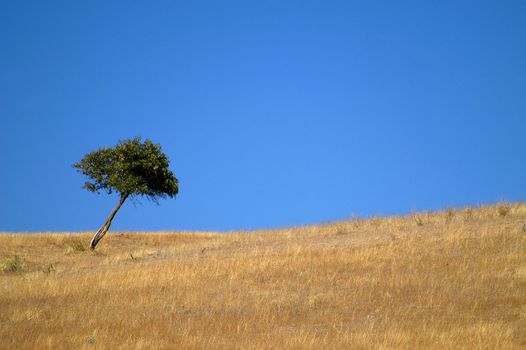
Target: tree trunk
<point>102,231</point>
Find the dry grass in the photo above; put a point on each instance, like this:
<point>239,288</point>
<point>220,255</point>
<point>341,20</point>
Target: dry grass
<point>451,279</point>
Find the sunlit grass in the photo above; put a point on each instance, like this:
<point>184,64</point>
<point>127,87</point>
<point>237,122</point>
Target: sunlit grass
<point>451,279</point>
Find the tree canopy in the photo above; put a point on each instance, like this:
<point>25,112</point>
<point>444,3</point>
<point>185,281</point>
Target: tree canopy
<point>132,168</point>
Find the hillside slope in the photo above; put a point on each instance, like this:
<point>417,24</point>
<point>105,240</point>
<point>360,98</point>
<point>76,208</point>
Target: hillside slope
<point>450,279</point>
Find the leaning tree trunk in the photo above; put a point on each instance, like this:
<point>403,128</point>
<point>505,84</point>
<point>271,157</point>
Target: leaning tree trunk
<point>102,231</point>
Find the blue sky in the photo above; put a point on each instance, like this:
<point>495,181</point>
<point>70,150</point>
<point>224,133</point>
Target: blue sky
<point>273,113</point>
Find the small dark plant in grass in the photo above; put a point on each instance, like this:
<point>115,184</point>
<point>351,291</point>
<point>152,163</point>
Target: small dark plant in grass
<point>14,264</point>
<point>503,209</point>
<point>450,214</point>
<point>78,247</point>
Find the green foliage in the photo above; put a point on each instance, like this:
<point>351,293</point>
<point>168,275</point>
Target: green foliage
<point>14,264</point>
<point>503,209</point>
<point>132,167</point>
<point>78,247</point>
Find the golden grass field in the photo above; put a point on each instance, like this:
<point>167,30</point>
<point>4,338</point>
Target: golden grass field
<point>454,279</point>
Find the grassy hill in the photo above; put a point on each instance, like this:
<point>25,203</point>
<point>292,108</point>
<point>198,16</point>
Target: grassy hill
<point>449,279</point>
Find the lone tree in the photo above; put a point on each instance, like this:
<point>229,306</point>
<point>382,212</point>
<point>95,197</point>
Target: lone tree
<point>131,168</point>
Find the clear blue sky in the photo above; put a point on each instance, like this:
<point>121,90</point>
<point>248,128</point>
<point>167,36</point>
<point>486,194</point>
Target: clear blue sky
<point>273,113</point>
